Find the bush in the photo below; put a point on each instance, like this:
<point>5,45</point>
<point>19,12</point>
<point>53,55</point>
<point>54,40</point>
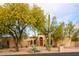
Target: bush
<point>34,49</point>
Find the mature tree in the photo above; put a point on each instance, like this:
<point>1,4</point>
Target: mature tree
<point>69,29</point>
<point>16,17</point>
<point>58,33</point>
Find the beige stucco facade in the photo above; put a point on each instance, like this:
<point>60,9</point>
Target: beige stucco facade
<point>27,42</point>
<point>66,42</point>
<point>40,41</point>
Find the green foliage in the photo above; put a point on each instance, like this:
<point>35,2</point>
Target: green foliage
<point>75,36</point>
<point>69,29</point>
<point>14,18</point>
<point>39,17</point>
<point>58,33</point>
<point>34,49</point>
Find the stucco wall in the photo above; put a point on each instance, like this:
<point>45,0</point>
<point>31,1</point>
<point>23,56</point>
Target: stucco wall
<point>67,42</point>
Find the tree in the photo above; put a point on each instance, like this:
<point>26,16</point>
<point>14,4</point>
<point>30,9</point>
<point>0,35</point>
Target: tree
<point>54,26</point>
<point>39,17</point>
<point>69,29</point>
<point>75,36</point>
<point>16,17</point>
<point>58,33</point>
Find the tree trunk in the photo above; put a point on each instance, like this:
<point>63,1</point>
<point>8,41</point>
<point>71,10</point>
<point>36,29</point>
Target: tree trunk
<point>20,37</point>
<point>17,45</point>
<point>14,34</point>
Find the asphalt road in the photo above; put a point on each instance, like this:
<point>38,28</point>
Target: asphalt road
<point>51,54</point>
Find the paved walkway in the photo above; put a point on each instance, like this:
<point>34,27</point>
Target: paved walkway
<point>11,51</point>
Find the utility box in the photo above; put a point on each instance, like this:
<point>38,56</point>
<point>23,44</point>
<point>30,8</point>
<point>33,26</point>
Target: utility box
<point>60,48</point>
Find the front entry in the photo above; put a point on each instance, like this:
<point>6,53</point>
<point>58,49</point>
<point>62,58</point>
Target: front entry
<point>41,41</point>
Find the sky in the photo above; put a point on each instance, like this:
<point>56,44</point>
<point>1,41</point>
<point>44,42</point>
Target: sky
<point>63,11</point>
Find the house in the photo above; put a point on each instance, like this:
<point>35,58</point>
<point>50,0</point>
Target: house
<point>40,41</point>
<point>8,42</point>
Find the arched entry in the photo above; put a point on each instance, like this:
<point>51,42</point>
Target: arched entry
<point>41,41</point>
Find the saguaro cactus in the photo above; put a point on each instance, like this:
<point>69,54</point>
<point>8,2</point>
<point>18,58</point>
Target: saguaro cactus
<point>49,34</point>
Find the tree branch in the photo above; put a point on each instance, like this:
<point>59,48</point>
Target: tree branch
<point>13,31</point>
<point>23,28</point>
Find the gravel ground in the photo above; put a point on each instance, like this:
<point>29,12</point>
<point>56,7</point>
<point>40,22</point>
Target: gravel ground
<point>43,52</point>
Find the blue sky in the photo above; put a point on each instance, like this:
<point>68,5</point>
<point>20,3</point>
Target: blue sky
<point>63,11</point>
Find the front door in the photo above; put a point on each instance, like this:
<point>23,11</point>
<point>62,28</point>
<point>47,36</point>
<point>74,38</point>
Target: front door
<point>41,41</point>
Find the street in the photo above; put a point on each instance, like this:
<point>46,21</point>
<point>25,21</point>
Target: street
<point>50,54</point>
